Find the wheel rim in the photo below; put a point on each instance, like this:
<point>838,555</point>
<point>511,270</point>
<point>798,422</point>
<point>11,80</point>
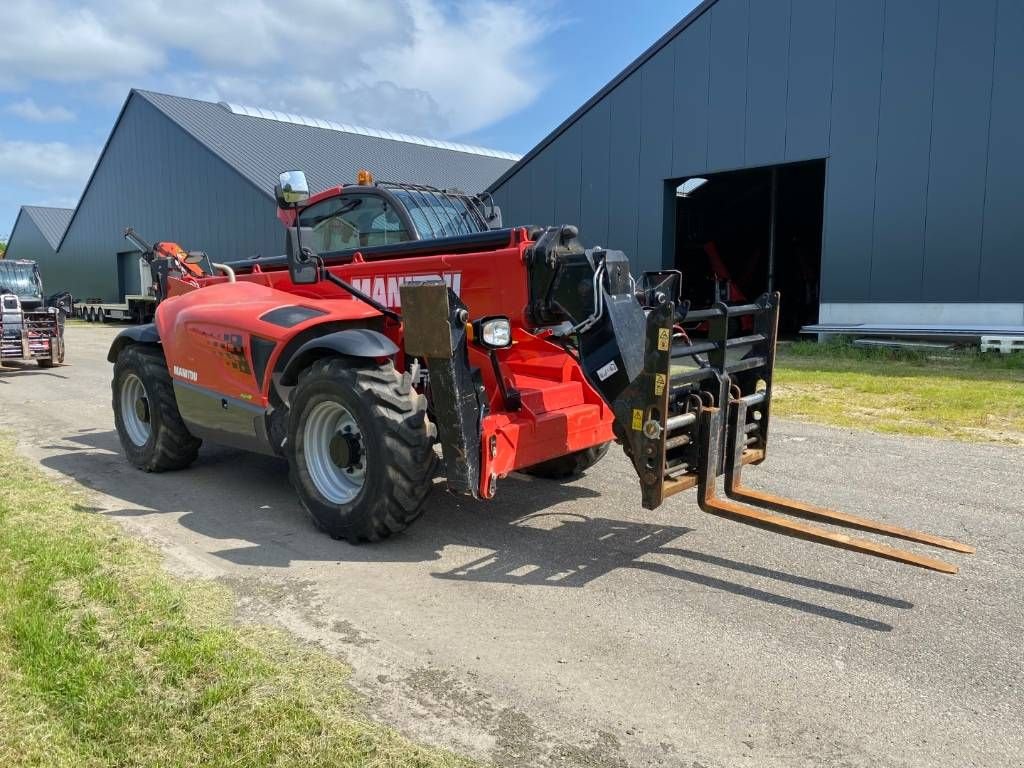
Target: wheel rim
<point>135,410</point>
<point>334,452</point>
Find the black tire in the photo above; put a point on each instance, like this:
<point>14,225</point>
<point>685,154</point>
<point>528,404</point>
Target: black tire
<point>570,465</point>
<point>58,355</point>
<point>393,442</point>
<point>169,445</point>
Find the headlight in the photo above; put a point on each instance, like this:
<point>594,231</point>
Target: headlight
<point>493,332</point>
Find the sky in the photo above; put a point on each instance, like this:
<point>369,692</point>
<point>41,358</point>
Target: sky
<point>498,73</point>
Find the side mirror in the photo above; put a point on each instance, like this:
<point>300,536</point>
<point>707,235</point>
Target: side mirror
<point>291,190</point>
<point>303,267</point>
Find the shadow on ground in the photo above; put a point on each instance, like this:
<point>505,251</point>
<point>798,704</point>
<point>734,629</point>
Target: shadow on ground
<point>11,369</point>
<point>246,499</point>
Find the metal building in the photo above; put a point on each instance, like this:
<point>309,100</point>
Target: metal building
<point>202,174</point>
<point>37,231</point>
<point>862,156</point>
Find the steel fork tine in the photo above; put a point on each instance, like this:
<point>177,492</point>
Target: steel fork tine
<point>728,509</point>
<point>735,489</point>
<point>712,504</point>
<point>813,512</point>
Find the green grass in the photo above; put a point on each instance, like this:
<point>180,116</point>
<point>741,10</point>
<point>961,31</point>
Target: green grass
<point>107,661</point>
<point>959,395</point>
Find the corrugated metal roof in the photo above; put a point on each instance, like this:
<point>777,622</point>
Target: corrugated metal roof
<point>260,147</point>
<point>316,122</point>
<point>52,222</point>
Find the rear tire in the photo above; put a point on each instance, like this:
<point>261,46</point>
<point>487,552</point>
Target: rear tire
<point>570,465</point>
<point>153,436</point>
<point>359,448</point>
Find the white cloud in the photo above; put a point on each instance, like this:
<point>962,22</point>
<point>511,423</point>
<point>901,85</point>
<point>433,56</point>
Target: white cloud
<point>422,66</point>
<point>27,109</point>
<point>41,173</point>
<point>49,167</point>
<point>65,43</point>
<point>476,62</point>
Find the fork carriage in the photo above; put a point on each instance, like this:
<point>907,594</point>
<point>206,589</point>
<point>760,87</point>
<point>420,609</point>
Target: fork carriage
<point>30,334</point>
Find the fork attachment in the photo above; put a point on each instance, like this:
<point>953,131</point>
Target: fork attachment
<point>686,412</point>
<point>700,409</point>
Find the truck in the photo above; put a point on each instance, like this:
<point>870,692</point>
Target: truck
<point>406,328</point>
<point>30,327</point>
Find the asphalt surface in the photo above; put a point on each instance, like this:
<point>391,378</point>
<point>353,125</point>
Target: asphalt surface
<point>562,624</point>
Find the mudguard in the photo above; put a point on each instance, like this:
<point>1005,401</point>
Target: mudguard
<point>354,342</point>
<point>136,334</point>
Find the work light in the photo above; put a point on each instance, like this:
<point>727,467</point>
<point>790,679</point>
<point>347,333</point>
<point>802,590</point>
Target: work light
<point>493,332</point>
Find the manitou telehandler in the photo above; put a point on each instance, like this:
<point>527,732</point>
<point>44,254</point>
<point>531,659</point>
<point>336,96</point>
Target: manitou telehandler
<point>404,317</point>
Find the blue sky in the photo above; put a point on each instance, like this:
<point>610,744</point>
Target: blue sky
<point>501,73</point>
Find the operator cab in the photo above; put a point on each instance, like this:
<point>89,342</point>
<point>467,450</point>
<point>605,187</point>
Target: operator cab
<point>21,278</point>
<point>380,220</point>
<point>371,214</point>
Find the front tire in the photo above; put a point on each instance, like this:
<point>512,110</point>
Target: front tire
<point>359,448</point>
<point>56,354</point>
<point>153,435</point>
<point>570,465</point>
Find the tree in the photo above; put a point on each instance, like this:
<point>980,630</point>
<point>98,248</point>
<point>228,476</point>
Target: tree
<point>3,247</point>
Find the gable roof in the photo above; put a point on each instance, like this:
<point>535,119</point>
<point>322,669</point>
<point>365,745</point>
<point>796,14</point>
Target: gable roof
<point>640,60</point>
<point>51,222</point>
<point>260,143</point>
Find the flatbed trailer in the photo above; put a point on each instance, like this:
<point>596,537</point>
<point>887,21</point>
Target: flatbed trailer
<point>137,296</point>
<point>134,309</point>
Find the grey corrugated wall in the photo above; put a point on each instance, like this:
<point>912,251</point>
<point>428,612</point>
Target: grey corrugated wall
<point>159,180</point>
<point>27,242</point>
<point>916,104</point>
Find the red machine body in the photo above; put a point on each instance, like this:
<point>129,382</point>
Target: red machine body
<point>207,335</point>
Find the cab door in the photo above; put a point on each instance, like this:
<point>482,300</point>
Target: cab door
<point>354,220</point>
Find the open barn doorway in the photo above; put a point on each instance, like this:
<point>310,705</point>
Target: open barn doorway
<point>742,233</point>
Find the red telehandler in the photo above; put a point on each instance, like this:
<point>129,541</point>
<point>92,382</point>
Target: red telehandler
<point>402,317</point>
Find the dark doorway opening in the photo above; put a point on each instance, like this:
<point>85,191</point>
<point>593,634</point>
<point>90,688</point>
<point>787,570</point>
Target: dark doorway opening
<point>742,233</point>
<point>129,277</point>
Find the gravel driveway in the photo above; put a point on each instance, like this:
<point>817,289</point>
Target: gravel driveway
<point>562,624</point>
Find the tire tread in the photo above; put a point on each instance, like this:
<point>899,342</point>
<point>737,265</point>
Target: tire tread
<point>401,414</point>
<point>175,447</point>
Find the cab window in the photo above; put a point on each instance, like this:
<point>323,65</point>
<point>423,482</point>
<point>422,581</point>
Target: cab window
<point>353,221</point>
<point>21,279</point>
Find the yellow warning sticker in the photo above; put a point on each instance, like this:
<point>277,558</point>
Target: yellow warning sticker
<point>638,419</point>
<point>659,384</point>
<point>664,339</point>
